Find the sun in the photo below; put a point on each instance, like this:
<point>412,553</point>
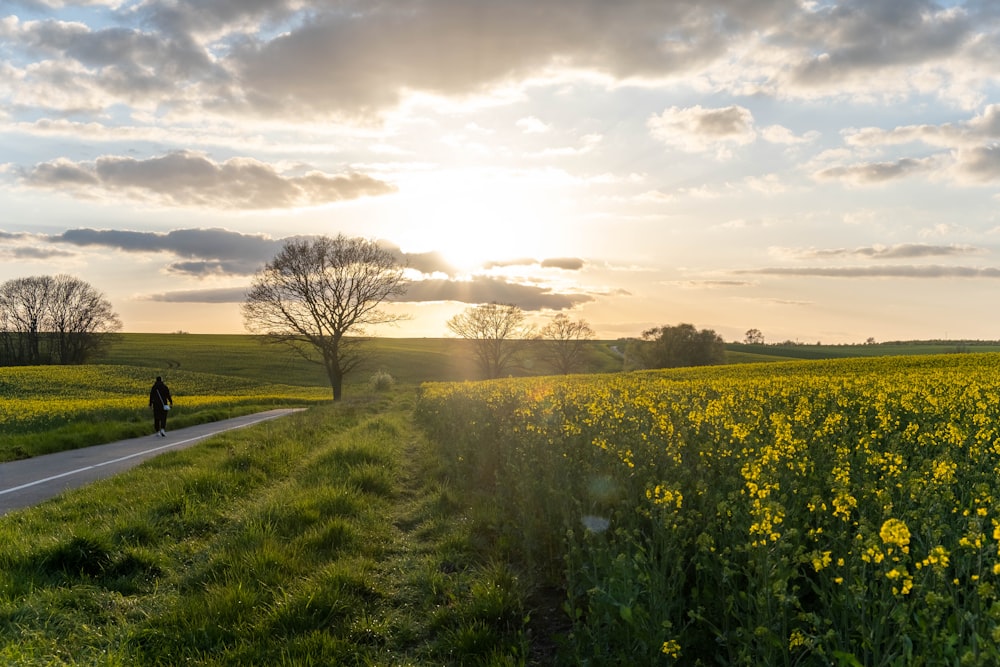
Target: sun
<point>472,221</point>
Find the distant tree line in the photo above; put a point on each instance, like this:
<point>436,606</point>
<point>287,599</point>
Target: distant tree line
<point>674,347</point>
<point>53,320</point>
<point>501,338</point>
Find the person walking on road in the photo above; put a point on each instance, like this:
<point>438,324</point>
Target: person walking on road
<point>160,400</point>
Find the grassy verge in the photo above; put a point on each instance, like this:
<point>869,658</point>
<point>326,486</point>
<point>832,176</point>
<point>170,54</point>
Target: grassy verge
<point>46,409</point>
<point>323,538</point>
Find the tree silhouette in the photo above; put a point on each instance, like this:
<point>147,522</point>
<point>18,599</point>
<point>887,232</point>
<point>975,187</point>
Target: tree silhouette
<point>316,292</point>
<point>498,332</point>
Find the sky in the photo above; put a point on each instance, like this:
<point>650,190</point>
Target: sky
<point>821,171</point>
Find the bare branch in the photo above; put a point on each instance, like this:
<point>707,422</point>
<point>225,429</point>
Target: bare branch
<point>320,295</point>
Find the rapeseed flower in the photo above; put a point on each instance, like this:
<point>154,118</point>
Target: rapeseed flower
<point>895,533</point>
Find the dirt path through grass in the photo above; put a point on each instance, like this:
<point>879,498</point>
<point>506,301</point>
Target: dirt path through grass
<point>328,537</point>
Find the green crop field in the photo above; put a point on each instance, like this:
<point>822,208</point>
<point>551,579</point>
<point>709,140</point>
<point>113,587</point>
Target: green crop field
<point>408,360</point>
<point>840,511</point>
<point>46,409</point>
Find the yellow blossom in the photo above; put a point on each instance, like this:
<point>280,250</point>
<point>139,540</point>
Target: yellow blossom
<point>672,648</point>
<point>895,533</point>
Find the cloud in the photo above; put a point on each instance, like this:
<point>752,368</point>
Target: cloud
<point>32,253</point>
<point>428,262</point>
<point>851,40</point>
<point>975,156</point>
<point>479,290</point>
<point>364,60</point>
<point>84,69</point>
<point>482,289</point>
<point>875,173</point>
<point>220,252</point>
<point>879,272</point>
<point>327,59</point>
<point>979,165</point>
<point>532,125</point>
<point>778,134</point>
<point>900,251</point>
<point>360,59</point>
<point>294,60</point>
<point>220,295</point>
<point>982,130</point>
<point>564,263</point>
<point>712,284</point>
<point>423,262</point>
<point>696,129</point>
<point>185,178</point>
<point>588,144</point>
<point>215,251</point>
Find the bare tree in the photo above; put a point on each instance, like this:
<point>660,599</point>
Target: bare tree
<point>318,295</point>
<point>498,332</point>
<point>53,319</point>
<point>80,320</point>
<point>753,337</point>
<point>565,342</point>
<point>22,319</point>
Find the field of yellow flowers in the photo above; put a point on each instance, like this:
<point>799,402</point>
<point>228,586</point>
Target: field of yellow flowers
<point>836,512</point>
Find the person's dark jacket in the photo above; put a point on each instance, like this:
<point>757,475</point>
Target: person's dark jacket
<point>159,395</point>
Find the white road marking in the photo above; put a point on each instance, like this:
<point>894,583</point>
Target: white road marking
<point>122,458</point>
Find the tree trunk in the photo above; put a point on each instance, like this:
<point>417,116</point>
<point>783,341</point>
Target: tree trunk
<point>336,382</point>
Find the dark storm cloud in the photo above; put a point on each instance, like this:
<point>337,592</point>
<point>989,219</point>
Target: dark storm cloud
<point>185,178</point>
<point>487,290</point>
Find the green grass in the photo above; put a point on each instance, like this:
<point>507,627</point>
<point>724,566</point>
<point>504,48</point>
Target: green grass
<point>237,355</point>
<point>744,353</point>
<point>322,538</point>
<point>408,360</point>
<point>46,409</point>
<point>328,537</point>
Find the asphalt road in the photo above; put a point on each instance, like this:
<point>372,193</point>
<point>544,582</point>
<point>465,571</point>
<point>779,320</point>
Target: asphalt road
<point>30,481</point>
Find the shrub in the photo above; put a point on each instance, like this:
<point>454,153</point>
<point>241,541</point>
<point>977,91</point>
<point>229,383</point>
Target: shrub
<point>381,381</point>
